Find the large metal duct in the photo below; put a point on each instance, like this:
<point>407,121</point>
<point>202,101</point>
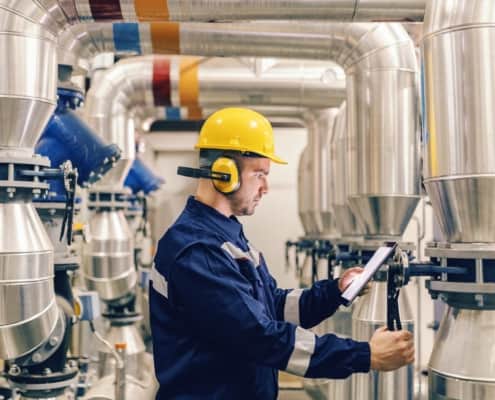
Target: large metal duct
<point>28,311</point>
<point>383,129</point>
<point>459,89</point>
<point>459,164</point>
<point>57,14</point>
<point>305,192</point>
<point>347,224</point>
<point>317,164</point>
<point>369,314</point>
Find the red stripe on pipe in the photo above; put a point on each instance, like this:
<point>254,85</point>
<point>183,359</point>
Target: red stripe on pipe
<point>103,10</point>
<point>161,82</point>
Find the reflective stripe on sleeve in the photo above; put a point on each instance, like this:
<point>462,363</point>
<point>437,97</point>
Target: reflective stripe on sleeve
<point>291,309</point>
<point>160,284</point>
<point>304,347</point>
<point>236,253</point>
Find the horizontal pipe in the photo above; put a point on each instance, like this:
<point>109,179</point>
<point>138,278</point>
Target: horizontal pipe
<point>197,83</point>
<point>221,10</point>
<point>282,39</point>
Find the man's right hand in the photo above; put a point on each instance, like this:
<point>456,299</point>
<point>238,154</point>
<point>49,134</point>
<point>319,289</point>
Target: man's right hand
<point>391,350</point>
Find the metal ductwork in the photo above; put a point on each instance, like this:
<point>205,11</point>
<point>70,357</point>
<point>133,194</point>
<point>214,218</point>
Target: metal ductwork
<point>57,14</point>
<point>459,168</point>
<point>154,81</point>
<point>195,82</point>
<point>28,311</point>
<point>318,169</point>
<point>27,89</point>
<point>305,193</point>
<point>347,224</point>
<point>382,145</point>
<point>459,176</point>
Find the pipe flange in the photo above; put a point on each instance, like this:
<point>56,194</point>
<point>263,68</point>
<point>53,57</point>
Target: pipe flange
<point>123,319</point>
<point>473,290</point>
<point>461,250</point>
<point>46,385</point>
<point>15,181</point>
<point>472,296</point>
<point>102,200</point>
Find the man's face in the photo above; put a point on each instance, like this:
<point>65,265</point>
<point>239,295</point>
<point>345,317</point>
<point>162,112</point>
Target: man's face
<point>254,184</point>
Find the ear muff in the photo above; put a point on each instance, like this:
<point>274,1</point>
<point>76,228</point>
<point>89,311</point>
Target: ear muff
<point>226,165</point>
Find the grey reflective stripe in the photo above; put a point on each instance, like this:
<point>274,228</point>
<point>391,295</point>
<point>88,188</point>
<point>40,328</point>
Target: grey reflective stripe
<point>255,255</point>
<point>304,347</point>
<point>159,282</point>
<point>236,253</point>
<point>291,309</point>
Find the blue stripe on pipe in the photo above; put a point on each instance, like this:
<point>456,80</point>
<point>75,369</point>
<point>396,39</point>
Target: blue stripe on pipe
<point>126,37</point>
<point>173,114</point>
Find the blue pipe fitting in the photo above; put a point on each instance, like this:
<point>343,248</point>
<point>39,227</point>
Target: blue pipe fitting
<point>142,179</point>
<point>67,137</point>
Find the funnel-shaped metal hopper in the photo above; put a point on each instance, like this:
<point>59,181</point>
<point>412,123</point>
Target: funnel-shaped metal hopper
<point>28,311</point>
<point>369,314</point>
<point>464,207</point>
<point>28,89</point>
<point>383,154</point>
<point>108,256</point>
<point>459,166</point>
<point>384,215</point>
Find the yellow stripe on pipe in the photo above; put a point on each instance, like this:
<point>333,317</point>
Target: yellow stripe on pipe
<point>431,125</point>
<point>151,10</point>
<point>194,113</point>
<point>188,82</point>
<point>165,37</point>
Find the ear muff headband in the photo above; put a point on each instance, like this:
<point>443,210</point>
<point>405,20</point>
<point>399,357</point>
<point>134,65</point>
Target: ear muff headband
<point>226,165</point>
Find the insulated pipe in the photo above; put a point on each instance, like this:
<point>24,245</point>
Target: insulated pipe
<point>459,90</point>
<point>316,165</point>
<point>344,218</point>
<point>379,60</point>
<point>297,39</point>
<point>58,14</point>
<point>195,82</point>
<point>31,27</point>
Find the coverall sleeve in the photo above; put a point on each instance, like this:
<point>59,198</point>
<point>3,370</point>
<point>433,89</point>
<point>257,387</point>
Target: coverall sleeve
<point>307,307</point>
<point>217,301</point>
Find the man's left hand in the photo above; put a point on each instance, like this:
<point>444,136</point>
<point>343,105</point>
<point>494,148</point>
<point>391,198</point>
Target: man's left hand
<point>348,276</point>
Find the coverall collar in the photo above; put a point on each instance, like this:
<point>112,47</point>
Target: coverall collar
<point>230,225</point>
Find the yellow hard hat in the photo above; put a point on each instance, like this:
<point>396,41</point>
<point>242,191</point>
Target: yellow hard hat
<point>239,129</point>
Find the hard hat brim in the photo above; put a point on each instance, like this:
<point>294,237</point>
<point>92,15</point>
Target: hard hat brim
<point>272,157</point>
<point>277,160</point>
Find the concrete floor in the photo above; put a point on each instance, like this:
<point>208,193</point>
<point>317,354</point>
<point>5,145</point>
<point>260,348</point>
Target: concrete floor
<point>293,395</point>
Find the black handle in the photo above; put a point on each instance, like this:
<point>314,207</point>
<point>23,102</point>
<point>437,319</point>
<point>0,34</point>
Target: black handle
<point>202,173</point>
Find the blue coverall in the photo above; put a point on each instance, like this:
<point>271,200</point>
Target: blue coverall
<point>221,327</point>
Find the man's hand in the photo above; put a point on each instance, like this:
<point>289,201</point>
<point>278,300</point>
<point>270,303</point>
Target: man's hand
<point>348,276</point>
<point>391,350</point>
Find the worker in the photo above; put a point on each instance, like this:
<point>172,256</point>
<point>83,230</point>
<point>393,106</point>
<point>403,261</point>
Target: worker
<point>221,327</point>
